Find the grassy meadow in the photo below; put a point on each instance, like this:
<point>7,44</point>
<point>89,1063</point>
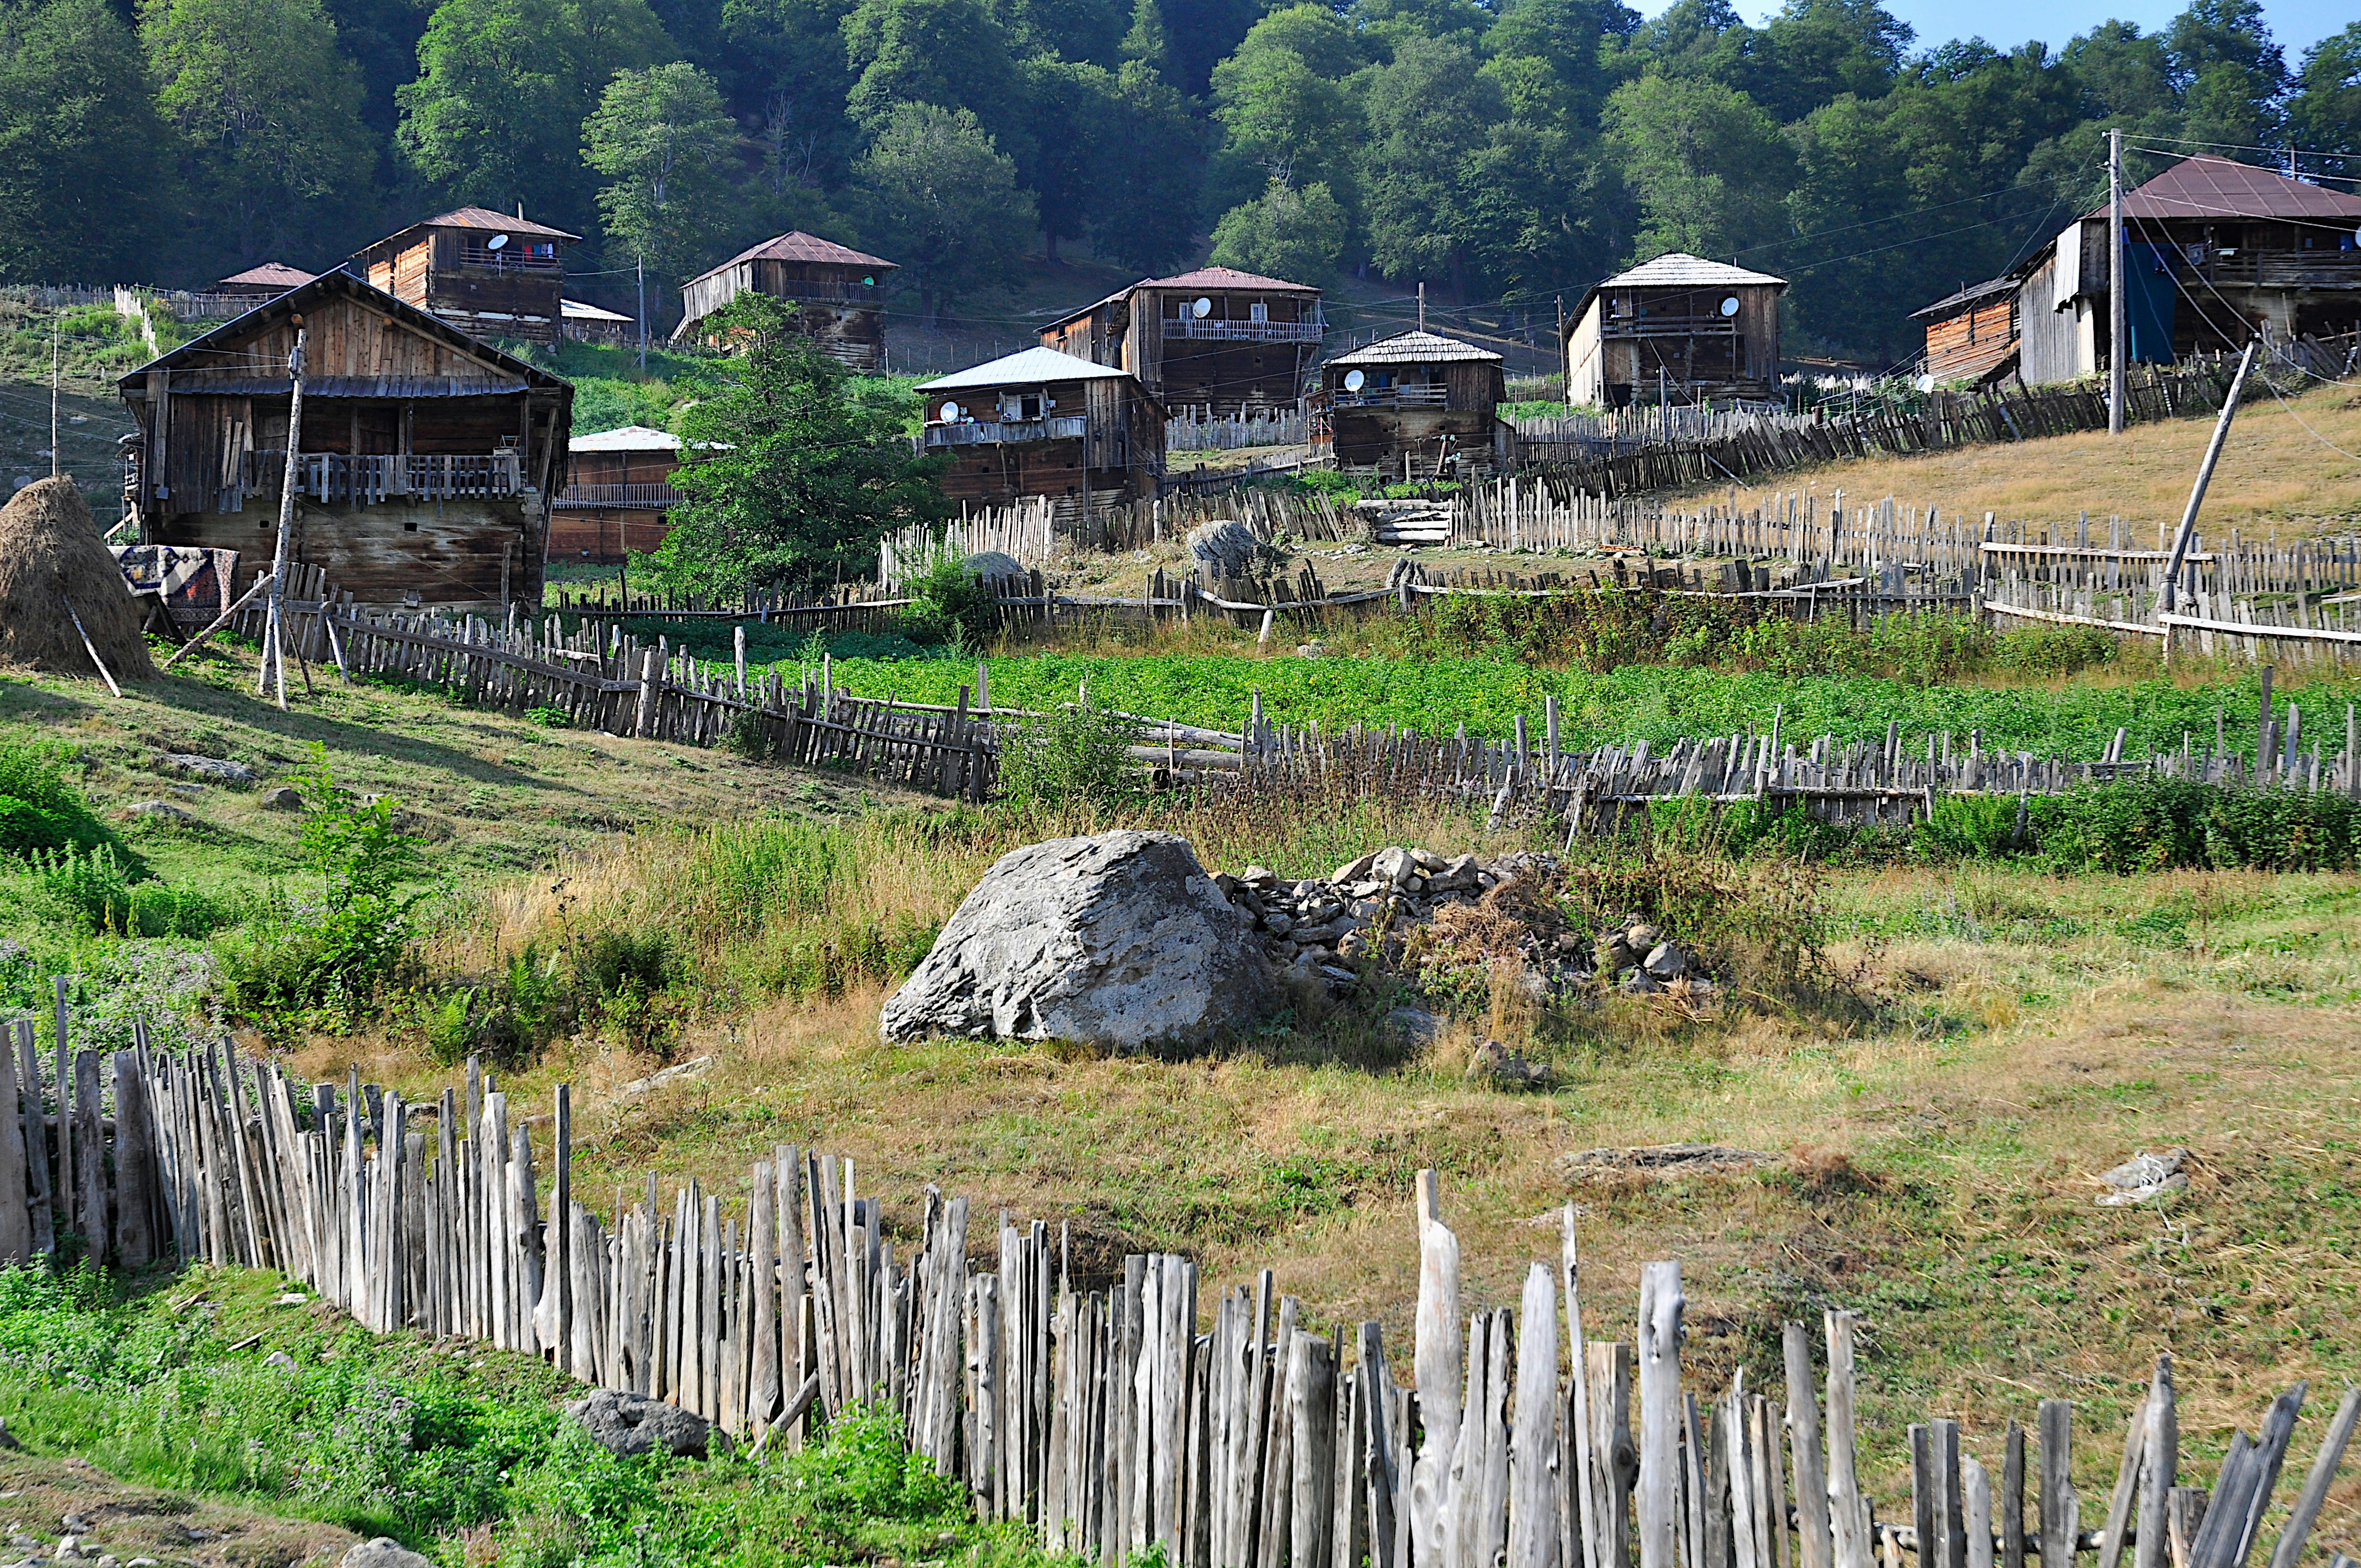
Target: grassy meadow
<point>1933,1051</point>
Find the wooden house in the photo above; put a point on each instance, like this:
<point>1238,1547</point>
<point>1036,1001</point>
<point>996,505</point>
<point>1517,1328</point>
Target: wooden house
<point>1038,423</point>
<point>487,274</point>
<point>2215,251</point>
<point>1416,403</point>
<point>1972,335</point>
<point>1216,338</point>
<point>425,463</point>
<point>267,281</point>
<point>838,294</point>
<point>579,322</point>
<point>615,501</point>
<point>1680,328</point>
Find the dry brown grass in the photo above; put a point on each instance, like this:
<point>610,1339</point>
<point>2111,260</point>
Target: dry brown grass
<point>2273,473</point>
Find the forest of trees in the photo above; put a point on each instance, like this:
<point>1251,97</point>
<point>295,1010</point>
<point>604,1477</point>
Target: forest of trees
<point>1498,150</point>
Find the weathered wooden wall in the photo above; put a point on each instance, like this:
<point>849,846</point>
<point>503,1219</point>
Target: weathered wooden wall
<point>1980,338</point>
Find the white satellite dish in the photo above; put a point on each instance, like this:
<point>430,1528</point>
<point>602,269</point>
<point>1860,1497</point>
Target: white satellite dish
<point>1730,305</point>
<point>496,242</point>
<point>1353,380</point>
<point>1203,308</point>
<point>951,411</point>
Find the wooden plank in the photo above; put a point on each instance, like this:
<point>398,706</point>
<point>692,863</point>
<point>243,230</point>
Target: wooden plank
<point>15,1214</point>
<point>1815,1544</point>
<point>1849,1518</point>
<point>2288,1551</point>
<point>1661,1306</point>
<point>1532,1448</point>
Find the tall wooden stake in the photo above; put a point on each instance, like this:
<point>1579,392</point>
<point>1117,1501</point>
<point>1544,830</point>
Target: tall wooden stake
<point>274,637</point>
<point>57,328</point>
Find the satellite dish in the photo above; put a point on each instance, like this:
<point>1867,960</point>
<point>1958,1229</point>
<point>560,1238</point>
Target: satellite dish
<point>1926,383</point>
<point>1203,308</point>
<point>1730,305</point>
<point>496,242</point>
<point>1353,380</point>
<point>868,283</point>
<point>951,411</point>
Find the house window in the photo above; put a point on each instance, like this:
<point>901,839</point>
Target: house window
<point>1258,311</point>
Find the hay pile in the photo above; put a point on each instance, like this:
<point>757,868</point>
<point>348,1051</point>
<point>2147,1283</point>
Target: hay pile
<point>50,553</point>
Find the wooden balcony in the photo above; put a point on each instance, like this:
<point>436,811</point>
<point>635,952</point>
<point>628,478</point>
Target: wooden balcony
<point>620,497</point>
<point>2285,269</point>
<point>1392,398</point>
<point>1212,331</point>
<point>505,262</point>
<point>338,478</point>
<point>999,432</point>
<point>1668,326</point>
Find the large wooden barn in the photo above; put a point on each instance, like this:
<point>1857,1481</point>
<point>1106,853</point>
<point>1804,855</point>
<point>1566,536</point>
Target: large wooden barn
<point>838,294</point>
<point>426,463</point>
<point>1412,404</point>
<point>1680,328</point>
<point>1215,338</point>
<point>618,499</point>
<point>487,274</point>
<point>1038,423</point>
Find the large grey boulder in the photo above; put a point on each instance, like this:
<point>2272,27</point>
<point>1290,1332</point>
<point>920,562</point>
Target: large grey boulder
<point>1223,549</point>
<point>631,1424</point>
<point>384,1552</point>
<point>992,566</point>
<point>1118,941</point>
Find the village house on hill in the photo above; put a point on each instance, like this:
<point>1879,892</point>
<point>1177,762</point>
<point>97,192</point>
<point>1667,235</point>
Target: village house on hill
<point>267,281</point>
<point>838,294</point>
<point>426,459</point>
<point>1038,423</point>
<point>1415,403</point>
<point>1680,329</point>
<point>2215,251</point>
<point>1216,339</point>
<point>487,274</point>
<point>615,500</point>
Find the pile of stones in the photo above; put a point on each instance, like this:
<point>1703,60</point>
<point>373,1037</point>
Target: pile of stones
<point>1317,927</point>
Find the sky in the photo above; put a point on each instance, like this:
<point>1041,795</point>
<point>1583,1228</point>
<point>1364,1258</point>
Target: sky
<point>2297,23</point>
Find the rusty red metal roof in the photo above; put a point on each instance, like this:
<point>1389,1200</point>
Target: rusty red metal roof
<point>270,275</point>
<point>2206,186</point>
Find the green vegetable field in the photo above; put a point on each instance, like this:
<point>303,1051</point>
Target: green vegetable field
<point>1655,703</point>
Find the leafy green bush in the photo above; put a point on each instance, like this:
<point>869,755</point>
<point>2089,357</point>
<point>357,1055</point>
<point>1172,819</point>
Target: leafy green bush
<point>1968,827</point>
<point>326,963</point>
<point>2150,824</point>
<point>93,889</point>
<point>549,718</point>
<point>40,811</point>
<point>949,604</point>
<point>1074,755</point>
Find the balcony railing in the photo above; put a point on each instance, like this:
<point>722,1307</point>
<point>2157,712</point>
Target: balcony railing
<point>998,433</point>
<point>1667,327</point>
<point>506,259</point>
<point>648,498</point>
<point>820,293</point>
<point>1243,332</point>
<point>337,479</point>
<point>1392,396</point>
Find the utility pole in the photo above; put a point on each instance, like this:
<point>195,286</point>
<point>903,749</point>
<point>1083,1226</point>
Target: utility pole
<point>57,328</point>
<point>1421,307</point>
<point>274,633</point>
<point>2165,601</point>
<point>643,266</point>
<point>2119,334</point>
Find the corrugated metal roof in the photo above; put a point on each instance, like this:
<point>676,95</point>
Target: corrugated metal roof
<point>1679,269</point>
<point>1973,294</point>
<point>270,274</point>
<point>1027,367</point>
<point>1416,348</point>
<point>1225,277</point>
<point>577,310</point>
<point>493,223</point>
<point>797,246</point>
<point>2210,187</point>
<point>630,438</point>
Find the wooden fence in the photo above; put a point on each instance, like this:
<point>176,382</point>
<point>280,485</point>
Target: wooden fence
<point>1113,1414</point>
<point>1194,429</point>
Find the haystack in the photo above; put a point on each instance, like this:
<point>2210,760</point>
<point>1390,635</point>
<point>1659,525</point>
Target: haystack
<point>50,554</point>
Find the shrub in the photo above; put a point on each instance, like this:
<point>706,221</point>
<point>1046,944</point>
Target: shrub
<point>1968,827</point>
<point>2151,824</point>
<point>93,889</point>
<point>1074,755</point>
<point>40,811</point>
<point>949,604</point>
<point>549,718</point>
<point>327,962</point>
